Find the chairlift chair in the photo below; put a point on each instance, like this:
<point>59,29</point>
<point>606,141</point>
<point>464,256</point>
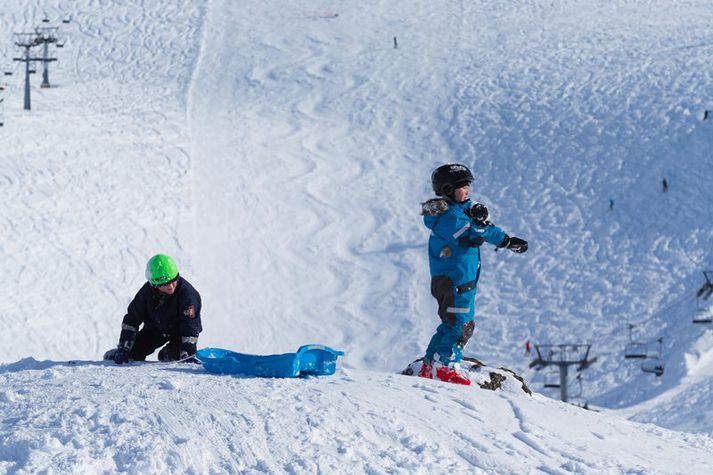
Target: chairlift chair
<point>702,315</point>
<point>552,380</point>
<point>634,349</point>
<point>653,365</point>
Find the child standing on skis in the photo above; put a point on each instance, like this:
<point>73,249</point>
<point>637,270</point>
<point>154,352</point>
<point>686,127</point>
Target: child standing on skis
<point>458,228</point>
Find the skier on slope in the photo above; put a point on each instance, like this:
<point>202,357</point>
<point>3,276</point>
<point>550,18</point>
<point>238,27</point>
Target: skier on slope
<point>169,309</point>
<point>458,228</point>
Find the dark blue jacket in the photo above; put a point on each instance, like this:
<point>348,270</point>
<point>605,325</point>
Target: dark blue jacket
<point>178,316</point>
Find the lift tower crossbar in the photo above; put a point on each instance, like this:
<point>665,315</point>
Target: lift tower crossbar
<point>45,36</point>
<point>563,356</point>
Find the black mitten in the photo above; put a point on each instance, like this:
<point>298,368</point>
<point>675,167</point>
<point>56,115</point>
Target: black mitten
<point>515,244</point>
<point>479,214</point>
<point>121,356</point>
<point>189,346</point>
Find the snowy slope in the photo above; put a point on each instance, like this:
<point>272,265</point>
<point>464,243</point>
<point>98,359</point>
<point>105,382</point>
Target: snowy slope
<point>94,418</point>
<point>96,176</point>
<point>558,110</point>
<point>280,154</point>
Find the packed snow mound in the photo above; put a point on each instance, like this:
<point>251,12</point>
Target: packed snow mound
<point>96,417</point>
<point>482,376</point>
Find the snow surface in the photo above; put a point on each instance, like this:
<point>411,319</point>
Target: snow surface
<point>279,151</point>
<point>90,417</point>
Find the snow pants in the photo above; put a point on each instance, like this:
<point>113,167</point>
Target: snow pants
<point>148,339</point>
<point>456,308</point>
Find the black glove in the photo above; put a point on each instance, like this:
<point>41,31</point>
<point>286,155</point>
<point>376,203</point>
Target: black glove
<point>515,244</point>
<point>479,214</point>
<point>121,356</point>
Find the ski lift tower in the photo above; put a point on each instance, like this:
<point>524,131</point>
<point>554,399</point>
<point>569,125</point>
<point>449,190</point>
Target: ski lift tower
<point>27,41</point>
<point>45,36</point>
<point>563,356</point>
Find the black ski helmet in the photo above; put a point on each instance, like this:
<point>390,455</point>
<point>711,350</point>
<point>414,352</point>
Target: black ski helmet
<point>446,178</point>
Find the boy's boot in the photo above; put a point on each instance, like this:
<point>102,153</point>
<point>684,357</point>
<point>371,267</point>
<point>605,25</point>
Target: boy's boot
<point>452,375</point>
<point>426,370</point>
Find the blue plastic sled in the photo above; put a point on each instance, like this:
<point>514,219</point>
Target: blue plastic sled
<point>310,360</point>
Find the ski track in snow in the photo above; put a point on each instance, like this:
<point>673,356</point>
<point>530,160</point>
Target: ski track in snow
<point>96,417</point>
<point>310,177</point>
<point>315,197</point>
<point>82,203</point>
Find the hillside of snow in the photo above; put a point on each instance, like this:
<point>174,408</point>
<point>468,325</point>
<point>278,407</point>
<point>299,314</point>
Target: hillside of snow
<point>280,152</point>
<point>91,417</point>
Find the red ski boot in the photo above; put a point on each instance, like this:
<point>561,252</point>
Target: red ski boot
<point>426,370</point>
<point>452,375</point>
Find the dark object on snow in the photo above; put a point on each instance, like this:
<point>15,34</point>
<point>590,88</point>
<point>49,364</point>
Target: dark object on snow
<point>664,185</point>
<point>705,114</point>
<point>611,204</point>
<point>496,381</point>
<point>396,43</point>
<point>309,360</point>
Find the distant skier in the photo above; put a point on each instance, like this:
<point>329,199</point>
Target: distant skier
<point>528,347</point>
<point>458,228</point>
<point>169,308</point>
<point>664,185</point>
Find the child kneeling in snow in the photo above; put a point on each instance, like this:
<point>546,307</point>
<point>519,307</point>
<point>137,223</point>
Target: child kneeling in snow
<point>458,228</point>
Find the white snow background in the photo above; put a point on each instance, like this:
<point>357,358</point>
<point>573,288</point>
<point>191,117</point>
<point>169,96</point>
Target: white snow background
<point>279,151</point>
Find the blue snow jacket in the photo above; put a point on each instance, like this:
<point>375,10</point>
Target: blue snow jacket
<point>454,245</point>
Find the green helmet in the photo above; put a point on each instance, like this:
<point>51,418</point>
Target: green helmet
<point>161,269</point>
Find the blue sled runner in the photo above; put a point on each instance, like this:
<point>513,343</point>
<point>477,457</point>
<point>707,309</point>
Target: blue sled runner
<point>310,360</point>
